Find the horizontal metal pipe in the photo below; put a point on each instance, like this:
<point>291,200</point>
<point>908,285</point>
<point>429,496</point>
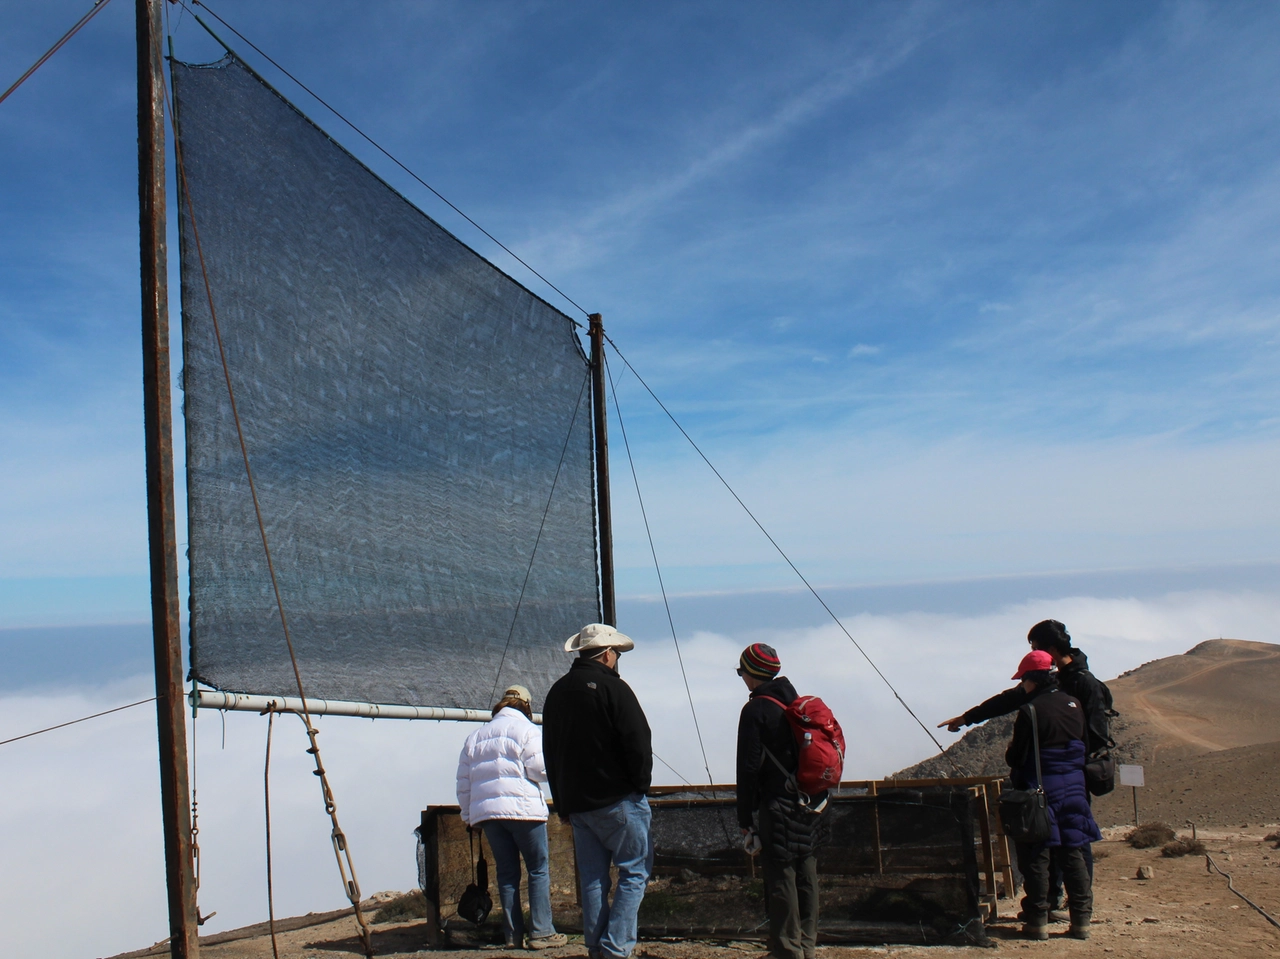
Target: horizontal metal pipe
<point>215,699</point>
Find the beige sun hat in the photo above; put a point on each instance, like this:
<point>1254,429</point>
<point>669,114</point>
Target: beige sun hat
<point>517,692</point>
<point>598,636</point>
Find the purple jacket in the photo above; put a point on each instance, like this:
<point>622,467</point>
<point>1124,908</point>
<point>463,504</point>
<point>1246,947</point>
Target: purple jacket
<point>1063,767</point>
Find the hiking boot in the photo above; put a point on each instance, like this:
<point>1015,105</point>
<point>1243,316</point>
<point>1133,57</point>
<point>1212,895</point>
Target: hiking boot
<point>1059,915</point>
<point>1036,930</point>
<point>1080,926</point>
<point>552,941</point>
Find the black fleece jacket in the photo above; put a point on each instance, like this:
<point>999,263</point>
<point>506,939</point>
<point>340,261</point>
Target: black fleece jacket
<point>595,738</point>
<point>1074,679</point>
<point>762,725</point>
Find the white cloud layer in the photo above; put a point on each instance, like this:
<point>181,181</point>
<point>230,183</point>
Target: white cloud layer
<point>81,811</point>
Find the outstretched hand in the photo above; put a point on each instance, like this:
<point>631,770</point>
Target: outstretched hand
<point>954,724</point>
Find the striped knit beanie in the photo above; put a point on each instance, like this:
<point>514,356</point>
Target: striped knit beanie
<point>759,661</point>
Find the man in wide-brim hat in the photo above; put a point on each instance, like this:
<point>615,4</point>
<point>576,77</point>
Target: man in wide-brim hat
<point>599,764</point>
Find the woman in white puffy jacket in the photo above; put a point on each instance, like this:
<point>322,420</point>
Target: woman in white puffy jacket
<point>499,775</point>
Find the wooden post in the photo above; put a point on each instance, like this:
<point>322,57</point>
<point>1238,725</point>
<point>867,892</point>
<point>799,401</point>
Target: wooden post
<point>175,797</point>
<point>988,864</point>
<point>875,812</point>
<point>608,605</point>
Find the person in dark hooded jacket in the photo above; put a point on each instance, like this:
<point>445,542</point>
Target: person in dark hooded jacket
<point>773,816</point>
<point>1060,725</point>
<point>1074,678</point>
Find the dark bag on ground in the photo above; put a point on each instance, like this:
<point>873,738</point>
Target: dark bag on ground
<point>475,904</point>
<point>1024,813</point>
<point>1100,773</point>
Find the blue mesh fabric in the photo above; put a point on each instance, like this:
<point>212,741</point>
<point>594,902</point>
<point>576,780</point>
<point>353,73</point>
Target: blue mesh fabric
<point>406,406</point>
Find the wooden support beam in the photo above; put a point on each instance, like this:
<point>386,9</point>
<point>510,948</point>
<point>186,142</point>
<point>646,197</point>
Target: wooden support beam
<point>175,798</point>
<point>600,421</point>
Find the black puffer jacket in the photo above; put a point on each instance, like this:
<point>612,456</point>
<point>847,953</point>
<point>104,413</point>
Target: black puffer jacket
<point>595,738</point>
<point>788,830</point>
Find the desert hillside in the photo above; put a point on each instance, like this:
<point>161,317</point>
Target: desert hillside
<point>1205,724</point>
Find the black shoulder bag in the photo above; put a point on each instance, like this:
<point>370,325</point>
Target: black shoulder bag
<point>1024,813</point>
<point>475,904</point>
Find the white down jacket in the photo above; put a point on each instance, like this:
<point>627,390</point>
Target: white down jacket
<point>500,768</point>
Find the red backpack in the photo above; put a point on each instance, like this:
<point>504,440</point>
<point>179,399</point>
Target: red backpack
<point>819,744</point>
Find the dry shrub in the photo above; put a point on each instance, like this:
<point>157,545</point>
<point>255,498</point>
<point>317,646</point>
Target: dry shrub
<point>1151,834</point>
<point>412,905</point>
<point>1182,847</point>
<point>1100,854</point>
<point>1273,837</point>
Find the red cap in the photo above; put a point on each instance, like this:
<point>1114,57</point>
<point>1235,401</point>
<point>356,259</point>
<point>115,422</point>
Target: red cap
<point>1035,661</point>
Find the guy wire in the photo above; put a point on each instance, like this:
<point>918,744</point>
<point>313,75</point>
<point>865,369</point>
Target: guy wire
<point>928,732</point>
<point>49,729</point>
<point>381,149</point>
<point>617,409</point>
<point>266,804</point>
<point>93,12</point>
<point>541,526</point>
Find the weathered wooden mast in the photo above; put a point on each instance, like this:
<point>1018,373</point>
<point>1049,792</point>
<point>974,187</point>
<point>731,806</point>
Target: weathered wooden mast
<point>175,799</point>
<point>608,605</point>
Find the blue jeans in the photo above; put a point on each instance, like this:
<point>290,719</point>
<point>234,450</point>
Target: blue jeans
<point>617,834</point>
<point>510,839</point>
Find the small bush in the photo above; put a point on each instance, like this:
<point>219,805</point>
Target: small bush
<point>412,905</point>
<point>1151,834</point>
<point>1273,837</point>
<point>1100,854</point>
<point>1182,847</point>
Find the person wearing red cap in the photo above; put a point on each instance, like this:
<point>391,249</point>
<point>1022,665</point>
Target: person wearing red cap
<point>1060,725</point>
<point>773,818</point>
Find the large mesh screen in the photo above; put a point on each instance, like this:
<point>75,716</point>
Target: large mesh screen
<point>410,414</point>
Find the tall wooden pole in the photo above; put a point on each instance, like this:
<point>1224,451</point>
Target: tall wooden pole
<point>175,798</point>
<point>608,605</point>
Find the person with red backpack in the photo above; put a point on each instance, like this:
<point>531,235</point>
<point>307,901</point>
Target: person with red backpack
<point>790,753</point>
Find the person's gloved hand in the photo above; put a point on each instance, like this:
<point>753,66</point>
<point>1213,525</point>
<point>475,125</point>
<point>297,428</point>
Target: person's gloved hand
<point>751,842</point>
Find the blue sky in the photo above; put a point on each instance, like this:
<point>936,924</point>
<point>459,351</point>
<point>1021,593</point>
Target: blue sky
<point>975,304</point>
<point>950,291</point>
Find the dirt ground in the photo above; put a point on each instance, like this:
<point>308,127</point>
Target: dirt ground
<point>1184,912</point>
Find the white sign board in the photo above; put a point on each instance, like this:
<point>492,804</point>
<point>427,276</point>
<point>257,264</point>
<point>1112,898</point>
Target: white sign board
<point>1130,775</point>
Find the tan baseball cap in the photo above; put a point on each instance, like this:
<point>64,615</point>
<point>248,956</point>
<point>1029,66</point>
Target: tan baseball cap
<point>517,692</point>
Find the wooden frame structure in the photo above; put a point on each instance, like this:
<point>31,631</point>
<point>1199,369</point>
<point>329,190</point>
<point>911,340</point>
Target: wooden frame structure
<point>444,868</point>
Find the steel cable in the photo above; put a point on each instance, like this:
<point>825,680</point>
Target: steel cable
<point>523,586</point>
<point>97,8</point>
<point>377,146</point>
<point>49,729</point>
<point>928,732</point>
<point>653,551</point>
